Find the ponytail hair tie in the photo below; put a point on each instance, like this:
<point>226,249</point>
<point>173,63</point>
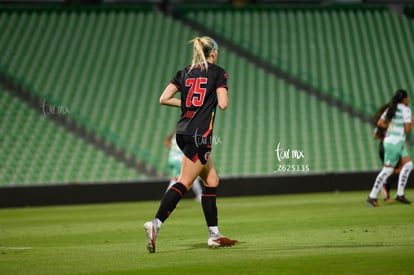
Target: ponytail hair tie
<point>214,44</point>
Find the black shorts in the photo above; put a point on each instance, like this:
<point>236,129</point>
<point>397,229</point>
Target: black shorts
<point>194,148</point>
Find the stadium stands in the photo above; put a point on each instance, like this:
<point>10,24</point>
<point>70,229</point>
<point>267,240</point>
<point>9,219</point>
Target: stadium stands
<point>35,151</point>
<point>108,68</point>
<point>103,66</point>
<point>356,54</point>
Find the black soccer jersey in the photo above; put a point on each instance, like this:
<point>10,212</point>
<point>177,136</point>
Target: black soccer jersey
<point>198,98</point>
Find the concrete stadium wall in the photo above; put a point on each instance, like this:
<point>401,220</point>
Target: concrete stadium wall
<point>153,190</point>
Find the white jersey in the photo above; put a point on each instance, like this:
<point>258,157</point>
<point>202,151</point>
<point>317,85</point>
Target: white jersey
<point>395,131</point>
<point>175,153</point>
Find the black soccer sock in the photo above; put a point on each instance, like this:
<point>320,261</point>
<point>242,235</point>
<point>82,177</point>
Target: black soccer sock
<point>208,201</point>
<point>169,201</point>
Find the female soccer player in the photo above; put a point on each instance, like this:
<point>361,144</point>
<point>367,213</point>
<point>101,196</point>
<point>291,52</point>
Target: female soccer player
<point>397,120</point>
<point>203,86</point>
<point>379,133</point>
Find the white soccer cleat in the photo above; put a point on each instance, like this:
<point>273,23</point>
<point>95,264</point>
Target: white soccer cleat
<point>151,230</point>
<point>218,240</point>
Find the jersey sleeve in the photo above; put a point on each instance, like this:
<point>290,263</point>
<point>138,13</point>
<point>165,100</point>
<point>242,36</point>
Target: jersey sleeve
<point>176,80</point>
<point>407,115</point>
<point>222,79</point>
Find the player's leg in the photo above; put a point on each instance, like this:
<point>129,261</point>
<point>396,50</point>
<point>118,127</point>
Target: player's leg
<point>387,185</point>
<point>407,167</point>
<point>208,198</point>
<point>386,188</point>
<point>391,181</point>
<point>208,202</point>
<point>189,171</point>
<point>379,182</point>
<point>391,157</point>
<point>167,205</point>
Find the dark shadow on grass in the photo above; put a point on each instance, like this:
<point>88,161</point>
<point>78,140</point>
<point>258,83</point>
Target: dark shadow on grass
<point>383,203</point>
<point>196,246</point>
<point>242,244</point>
<point>203,245</point>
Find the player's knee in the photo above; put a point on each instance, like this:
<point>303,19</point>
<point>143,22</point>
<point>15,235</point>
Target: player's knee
<point>387,171</point>
<point>212,181</point>
<point>408,165</point>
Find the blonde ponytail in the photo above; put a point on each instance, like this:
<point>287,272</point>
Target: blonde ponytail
<point>202,48</point>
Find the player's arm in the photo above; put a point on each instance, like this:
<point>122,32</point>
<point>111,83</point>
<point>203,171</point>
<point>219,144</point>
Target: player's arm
<point>222,98</point>
<point>382,124</point>
<point>407,127</point>
<point>376,134</point>
<point>167,140</point>
<point>167,97</point>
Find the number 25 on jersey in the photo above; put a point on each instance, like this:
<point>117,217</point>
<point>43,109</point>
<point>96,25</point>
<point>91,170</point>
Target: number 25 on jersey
<point>196,93</point>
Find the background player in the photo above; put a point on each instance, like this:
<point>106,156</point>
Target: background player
<point>397,120</point>
<point>379,133</point>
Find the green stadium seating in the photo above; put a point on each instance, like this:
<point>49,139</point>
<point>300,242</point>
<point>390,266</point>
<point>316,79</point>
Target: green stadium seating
<point>359,56</point>
<point>35,151</point>
<point>108,68</point>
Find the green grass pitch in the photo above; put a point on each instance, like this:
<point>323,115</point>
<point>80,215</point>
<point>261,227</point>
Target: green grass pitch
<point>321,233</point>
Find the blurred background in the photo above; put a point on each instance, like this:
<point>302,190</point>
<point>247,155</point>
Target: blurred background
<point>80,83</point>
